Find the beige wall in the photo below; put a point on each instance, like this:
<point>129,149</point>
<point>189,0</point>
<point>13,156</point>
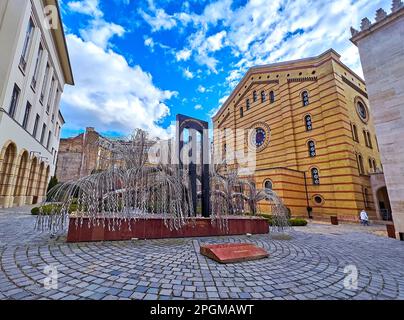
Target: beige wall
<point>333,110</point>
<point>382,55</point>
<point>14,20</point>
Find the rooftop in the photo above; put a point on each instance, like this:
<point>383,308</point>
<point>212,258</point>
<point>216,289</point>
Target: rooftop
<point>283,66</point>
<point>58,35</point>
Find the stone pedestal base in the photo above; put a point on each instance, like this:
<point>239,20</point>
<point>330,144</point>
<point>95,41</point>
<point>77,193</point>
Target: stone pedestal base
<point>154,228</point>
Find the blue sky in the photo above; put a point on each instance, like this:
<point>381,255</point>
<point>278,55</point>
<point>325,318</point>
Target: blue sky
<point>139,63</point>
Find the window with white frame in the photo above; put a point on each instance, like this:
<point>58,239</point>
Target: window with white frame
<point>27,44</point>
<point>37,66</point>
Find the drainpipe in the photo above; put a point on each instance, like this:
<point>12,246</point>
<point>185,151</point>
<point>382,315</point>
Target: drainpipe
<point>309,209</point>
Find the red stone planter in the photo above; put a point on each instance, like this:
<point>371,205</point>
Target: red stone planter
<point>154,228</point>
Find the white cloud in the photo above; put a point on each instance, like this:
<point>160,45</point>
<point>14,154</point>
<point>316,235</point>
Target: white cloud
<point>216,11</point>
<point>261,32</point>
<point>109,93</point>
<point>198,107</point>
<point>160,20</point>
<point>183,55</point>
<point>100,32</point>
<point>215,42</point>
<point>188,74</point>
<point>201,89</point>
<point>199,42</point>
<point>212,112</point>
<point>223,99</point>
<point>202,47</point>
<point>149,42</point>
<point>88,7</point>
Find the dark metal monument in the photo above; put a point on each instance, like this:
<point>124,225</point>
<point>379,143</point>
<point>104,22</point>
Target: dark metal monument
<point>195,126</point>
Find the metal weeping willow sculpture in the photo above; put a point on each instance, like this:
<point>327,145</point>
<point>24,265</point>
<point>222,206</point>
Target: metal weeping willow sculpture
<point>232,195</point>
<point>129,189</point>
<point>132,188</point>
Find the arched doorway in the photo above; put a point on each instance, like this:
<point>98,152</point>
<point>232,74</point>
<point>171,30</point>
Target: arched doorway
<point>42,195</point>
<point>383,202</point>
<point>20,185</point>
<point>31,180</point>
<point>39,181</point>
<point>7,174</point>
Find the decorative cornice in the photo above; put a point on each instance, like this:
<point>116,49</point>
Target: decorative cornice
<point>380,15</point>
<point>397,5</point>
<point>302,79</point>
<point>365,24</point>
<point>382,18</point>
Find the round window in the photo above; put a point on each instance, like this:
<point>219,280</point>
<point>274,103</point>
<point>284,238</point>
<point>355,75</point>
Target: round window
<point>362,111</point>
<point>318,199</point>
<point>259,137</point>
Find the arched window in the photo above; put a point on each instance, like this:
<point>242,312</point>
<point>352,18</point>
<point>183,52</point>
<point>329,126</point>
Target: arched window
<point>355,133</point>
<point>365,137</point>
<point>312,148</point>
<point>374,165</point>
<point>272,97</point>
<point>315,175</point>
<point>255,98</point>
<point>263,96</point>
<point>361,167</point>
<point>268,185</point>
<point>370,144</point>
<point>305,98</point>
<point>309,123</point>
<point>241,112</point>
<point>247,104</point>
<point>371,165</point>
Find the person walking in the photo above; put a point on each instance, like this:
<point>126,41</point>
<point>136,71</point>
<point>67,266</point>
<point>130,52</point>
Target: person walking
<point>364,218</point>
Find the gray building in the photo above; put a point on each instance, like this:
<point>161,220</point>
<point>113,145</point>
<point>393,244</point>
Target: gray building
<point>381,48</point>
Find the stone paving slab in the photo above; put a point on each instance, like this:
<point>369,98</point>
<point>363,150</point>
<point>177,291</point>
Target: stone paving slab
<point>309,266</point>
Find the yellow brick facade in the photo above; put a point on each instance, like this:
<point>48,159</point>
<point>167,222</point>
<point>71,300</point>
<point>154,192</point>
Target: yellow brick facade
<point>333,92</point>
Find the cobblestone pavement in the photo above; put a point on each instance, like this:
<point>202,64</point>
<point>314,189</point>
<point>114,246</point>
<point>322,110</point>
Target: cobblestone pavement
<point>310,266</point>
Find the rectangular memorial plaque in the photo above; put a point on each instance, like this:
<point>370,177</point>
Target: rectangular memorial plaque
<point>233,252</point>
